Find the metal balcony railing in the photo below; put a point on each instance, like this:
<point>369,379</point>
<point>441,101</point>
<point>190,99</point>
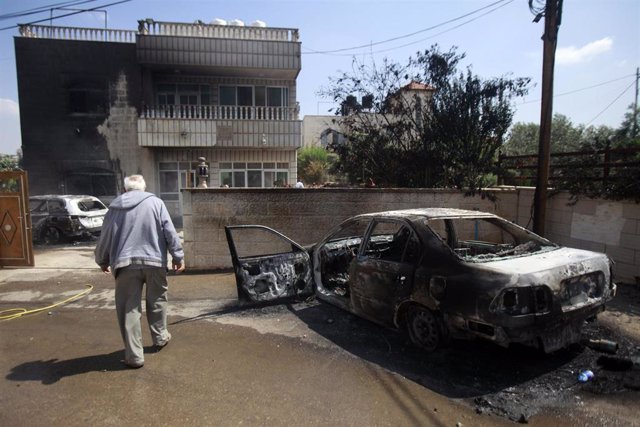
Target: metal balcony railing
<point>218,112</point>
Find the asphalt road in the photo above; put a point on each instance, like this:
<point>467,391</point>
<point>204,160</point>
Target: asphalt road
<point>302,363</point>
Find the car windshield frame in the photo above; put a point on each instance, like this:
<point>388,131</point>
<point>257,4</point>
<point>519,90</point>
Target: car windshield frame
<point>522,241</point>
<point>83,204</point>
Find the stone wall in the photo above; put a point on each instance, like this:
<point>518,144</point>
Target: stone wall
<point>306,215</point>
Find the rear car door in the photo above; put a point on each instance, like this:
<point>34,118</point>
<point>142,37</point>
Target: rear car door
<point>39,215</point>
<point>268,265</point>
<point>384,270</point>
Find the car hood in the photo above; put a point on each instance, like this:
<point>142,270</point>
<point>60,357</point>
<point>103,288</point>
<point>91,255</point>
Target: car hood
<point>550,267</point>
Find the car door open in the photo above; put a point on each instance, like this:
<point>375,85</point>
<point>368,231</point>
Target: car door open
<point>268,265</point>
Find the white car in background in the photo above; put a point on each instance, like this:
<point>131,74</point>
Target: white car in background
<point>55,218</point>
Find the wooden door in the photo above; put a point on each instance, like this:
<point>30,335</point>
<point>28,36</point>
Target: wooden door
<point>16,248</point>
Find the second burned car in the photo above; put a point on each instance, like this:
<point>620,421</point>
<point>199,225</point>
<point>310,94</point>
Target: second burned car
<point>436,273</point>
<point>58,217</point>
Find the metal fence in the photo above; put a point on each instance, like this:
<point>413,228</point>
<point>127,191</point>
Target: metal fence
<point>588,165</point>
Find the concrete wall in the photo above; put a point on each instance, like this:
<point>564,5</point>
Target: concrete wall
<point>57,141</point>
<point>265,55</point>
<point>306,215</point>
<point>313,126</point>
<point>597,225</point>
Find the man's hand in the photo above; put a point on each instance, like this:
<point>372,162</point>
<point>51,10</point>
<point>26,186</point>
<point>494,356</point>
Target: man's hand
<point>105,269</point>
<point>178,267</point>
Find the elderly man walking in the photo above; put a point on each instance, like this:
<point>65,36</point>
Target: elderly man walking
<point>136,234</point>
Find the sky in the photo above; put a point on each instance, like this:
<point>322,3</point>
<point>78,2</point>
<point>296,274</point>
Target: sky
<point>596,59</point>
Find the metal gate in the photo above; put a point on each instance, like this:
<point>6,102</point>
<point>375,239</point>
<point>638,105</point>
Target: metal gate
<point>16,248</point>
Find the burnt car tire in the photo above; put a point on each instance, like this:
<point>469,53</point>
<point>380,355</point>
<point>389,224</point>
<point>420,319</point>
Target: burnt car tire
<point>50,235</point>
<point>424,328</point>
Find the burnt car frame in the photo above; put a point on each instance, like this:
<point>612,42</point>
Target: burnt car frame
<point>58,217</point>
<point>436,273</point>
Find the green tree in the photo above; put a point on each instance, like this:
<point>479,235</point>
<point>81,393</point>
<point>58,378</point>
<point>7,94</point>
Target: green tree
<point>313,165</point>
<point>444,136</point>
<point>628,133</point>
<point>524,138</point>
<point>9,162</point>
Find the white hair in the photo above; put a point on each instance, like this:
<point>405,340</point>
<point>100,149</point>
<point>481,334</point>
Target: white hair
<point>135,182</point>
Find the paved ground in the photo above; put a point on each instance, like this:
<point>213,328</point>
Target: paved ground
<point>305,363</point>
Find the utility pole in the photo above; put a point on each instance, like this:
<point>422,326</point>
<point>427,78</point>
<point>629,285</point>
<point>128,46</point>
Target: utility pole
<point>634,129</point>
<point>552,13</point>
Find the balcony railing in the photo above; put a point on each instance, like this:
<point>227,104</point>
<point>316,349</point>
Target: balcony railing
<point>150,27</point>
<point>200,29</point>
<point>77,33</point>
<point>219,112</point>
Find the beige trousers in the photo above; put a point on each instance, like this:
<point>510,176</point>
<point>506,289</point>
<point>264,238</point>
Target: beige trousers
<point>129,283</point>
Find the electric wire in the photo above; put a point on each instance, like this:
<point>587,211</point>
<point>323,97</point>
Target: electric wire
<point>369,45</point>
<point>43,9</point>
<point>426,38</point>
<point>67,14</point>
<point>14,313</point>
<point>612,102</point>
<point>582,89</point>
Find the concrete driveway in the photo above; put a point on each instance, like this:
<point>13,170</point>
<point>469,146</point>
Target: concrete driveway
<point>304,363</point>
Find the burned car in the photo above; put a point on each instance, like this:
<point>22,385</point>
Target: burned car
<point>56,217</point>
<point>436,273</point>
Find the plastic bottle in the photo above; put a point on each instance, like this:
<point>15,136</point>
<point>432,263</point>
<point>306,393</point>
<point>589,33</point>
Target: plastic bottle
<point>605,346</point>
<point>585,376</point>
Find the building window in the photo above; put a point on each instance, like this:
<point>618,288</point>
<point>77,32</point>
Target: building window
<point>277,96</point>
<point>174,176</point>
<point>183,94</point>
<point>331,137</point>
<point>95,182</point>
<point>258,96</point>
<point>254,174</point>
<point>87,99</point>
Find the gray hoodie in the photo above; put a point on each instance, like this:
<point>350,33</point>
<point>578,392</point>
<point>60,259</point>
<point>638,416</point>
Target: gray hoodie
<point>137,230</point>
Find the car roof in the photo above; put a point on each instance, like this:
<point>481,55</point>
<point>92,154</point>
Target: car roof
<point>61,196</point>
<point>431,213</point>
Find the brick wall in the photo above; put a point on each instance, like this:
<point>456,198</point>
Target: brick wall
<point>306,215</point>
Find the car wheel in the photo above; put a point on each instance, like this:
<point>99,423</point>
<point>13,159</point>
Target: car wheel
<point>424,328</point>
<point>51,235</point>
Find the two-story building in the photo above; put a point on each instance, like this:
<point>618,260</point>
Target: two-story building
<point>97,105</point>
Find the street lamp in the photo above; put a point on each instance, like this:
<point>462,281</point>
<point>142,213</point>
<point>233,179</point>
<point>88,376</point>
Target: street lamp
<point>203,172</point>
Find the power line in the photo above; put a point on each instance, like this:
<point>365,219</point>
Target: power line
<point>426,38</point>
<point>581,89</point>
<point>41,9</point>
<point>68,14</point>
<point>315,52</point>
<point>612,102</point>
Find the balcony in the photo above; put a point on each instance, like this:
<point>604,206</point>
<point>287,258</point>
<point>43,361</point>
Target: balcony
<point>77,33</point>
<point>219,112</point>
<point>220,49</point>
<point>200,29</point>
<point>224,50</point>
<point>191,126</point>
